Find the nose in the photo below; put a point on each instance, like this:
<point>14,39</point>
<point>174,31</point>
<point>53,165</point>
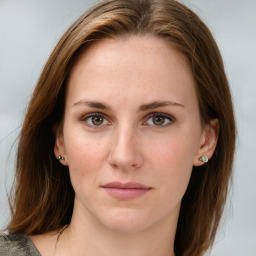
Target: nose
<point>125,153</point>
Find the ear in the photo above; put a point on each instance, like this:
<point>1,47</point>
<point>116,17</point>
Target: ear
<point>208,141</point>
<point>59,147</point>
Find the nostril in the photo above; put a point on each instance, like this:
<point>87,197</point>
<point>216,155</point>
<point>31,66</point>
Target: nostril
<point>114,165</point>
<point>128,161</point>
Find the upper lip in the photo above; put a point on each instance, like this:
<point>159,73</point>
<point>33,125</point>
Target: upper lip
<point>127,185</point>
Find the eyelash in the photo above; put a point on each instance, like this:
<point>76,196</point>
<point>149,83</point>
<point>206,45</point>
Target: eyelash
<point>95,114</point>
<point>149,116</point>
<point>163,115</point>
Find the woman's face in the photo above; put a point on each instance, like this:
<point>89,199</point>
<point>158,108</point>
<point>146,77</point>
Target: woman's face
<point>131,133</point>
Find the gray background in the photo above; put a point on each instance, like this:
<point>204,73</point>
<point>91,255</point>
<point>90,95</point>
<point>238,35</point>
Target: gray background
<point>29,29</point>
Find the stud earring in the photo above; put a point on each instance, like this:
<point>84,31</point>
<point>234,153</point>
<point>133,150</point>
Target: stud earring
<point>203,158</point>
<point>61,158</point>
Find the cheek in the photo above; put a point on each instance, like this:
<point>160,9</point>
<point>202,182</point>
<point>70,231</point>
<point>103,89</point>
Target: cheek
<point>85,162</point>
<point>176,152</point>
<point>172,159</point>
<point>172,180</point>
<point>175,168</point>
<point>85,157</point>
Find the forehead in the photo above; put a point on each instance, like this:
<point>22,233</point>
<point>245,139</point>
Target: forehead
<point>130,48</point>
<point>145,64</point>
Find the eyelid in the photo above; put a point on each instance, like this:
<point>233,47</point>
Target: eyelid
<point>161,114</point>
<point>167,116</point>
<point>148,116</point>
<point>92,114</point>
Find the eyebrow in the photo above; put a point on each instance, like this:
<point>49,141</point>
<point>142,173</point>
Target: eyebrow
<point>158,104</point>
<point>92,104</point>
<point>144,107</point>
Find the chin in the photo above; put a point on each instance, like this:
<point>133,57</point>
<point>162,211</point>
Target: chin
<point>126,221</point>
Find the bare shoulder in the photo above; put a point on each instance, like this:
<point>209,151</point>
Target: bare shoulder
<point>45,243</point>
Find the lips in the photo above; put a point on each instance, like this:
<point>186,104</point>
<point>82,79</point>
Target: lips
<point>126,191</point>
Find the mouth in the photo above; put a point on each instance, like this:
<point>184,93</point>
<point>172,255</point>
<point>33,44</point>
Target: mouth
<point>126,191</point>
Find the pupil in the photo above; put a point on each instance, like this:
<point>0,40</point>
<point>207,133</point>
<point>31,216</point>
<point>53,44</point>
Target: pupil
<point>158,120</point>
<point>97,120</point>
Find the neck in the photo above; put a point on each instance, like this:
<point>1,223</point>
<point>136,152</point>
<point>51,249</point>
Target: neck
<point>114,244</point>
<point>85,236</point>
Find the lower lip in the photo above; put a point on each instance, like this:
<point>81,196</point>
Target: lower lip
<point>126,193</point>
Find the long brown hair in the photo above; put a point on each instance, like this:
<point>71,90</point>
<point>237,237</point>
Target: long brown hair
<point>43,197</point>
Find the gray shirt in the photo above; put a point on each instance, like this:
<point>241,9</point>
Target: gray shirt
<point>17,245</point>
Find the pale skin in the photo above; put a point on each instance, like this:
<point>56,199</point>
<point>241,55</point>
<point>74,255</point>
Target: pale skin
<point>131,115</point>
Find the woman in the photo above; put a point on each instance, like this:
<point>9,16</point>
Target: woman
<point>114,149</point>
